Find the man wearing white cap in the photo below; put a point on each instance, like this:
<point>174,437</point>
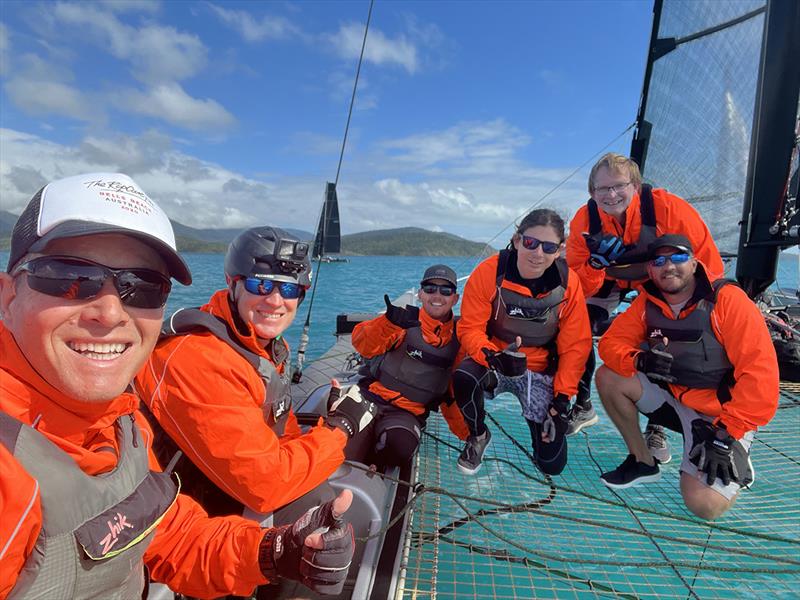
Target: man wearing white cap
<point>86,508</point>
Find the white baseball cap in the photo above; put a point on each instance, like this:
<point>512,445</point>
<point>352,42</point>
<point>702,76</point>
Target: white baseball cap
<point>96,203</point>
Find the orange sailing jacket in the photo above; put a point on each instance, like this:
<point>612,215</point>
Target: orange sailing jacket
<point>673,215</point>
<point>573,341</point>
<point>208,399</point>
<point>738,325</point>
<point>190,552</point>
<point>379,335</point>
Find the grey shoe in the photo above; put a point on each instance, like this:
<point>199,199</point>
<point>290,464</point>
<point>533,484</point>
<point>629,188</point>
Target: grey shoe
<point>580,418</point>
<point>469,462</point>
<point>656,438</point>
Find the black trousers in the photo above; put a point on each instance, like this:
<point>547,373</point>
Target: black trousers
<point>599,321</point>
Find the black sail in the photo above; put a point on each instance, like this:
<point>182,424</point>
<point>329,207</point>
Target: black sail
<point>329,236</point>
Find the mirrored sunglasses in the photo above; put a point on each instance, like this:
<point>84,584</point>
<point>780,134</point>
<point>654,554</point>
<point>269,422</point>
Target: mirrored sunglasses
<point>444,290</point>
<point>81,279</point>
<point>676,259</point>
<point>263,287</point>
<point>532,243</point>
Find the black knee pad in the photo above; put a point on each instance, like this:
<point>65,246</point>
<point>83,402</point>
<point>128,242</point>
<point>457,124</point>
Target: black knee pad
<point>395,447</point>
<point>551,457</point>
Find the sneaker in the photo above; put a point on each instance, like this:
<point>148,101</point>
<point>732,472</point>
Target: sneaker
<point>656,439</point>
<point>631,472</point>
<point>469,462</point>
<point>580,417</point>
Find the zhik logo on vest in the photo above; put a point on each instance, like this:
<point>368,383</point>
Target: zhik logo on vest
<point>115,527</point>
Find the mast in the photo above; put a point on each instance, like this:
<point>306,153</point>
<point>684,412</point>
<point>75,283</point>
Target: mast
<point>771,147</point>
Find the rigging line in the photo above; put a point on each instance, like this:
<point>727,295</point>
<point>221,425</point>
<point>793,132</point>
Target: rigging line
<point>621,504</point>
<point>353,97</point>
<point>503,507</point>
<point>652,538</point>
<point>341,158</point>
<point>721,26</point>
<point>486,249</point>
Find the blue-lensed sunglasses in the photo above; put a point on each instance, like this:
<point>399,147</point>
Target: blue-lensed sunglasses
<point>263,287</point>
<point>532,243</point>
<point>676,259</point>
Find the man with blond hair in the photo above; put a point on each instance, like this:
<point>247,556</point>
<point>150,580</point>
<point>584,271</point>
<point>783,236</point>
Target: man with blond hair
<point>607,248</point>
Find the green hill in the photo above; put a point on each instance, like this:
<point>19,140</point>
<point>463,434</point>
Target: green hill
<point>405,241</point>
<point>408,241</point>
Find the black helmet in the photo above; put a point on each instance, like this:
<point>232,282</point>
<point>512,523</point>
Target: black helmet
<point>268,253</point>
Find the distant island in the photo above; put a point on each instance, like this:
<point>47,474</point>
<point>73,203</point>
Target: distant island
<point>404,241</point>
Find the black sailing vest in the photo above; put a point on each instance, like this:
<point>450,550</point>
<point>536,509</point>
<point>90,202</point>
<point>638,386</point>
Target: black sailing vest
<point>276,405</point>
<point>535,320</point>
<point>95,528</point>
<point>699,360</point>
<point>416,369</point>
<point>632,264</point>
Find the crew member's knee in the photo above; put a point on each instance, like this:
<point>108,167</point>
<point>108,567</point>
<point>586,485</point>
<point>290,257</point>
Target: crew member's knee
<point>396,447</point>
<point>702,500</point>
<point>605,380</point>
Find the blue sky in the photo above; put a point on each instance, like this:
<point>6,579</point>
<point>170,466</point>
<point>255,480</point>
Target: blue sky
<point>231,114</point>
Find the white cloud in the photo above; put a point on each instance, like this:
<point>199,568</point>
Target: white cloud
<point>39,88</point>
<point>156,53</point>
<point>372,194</point>
<point>380,49</point>
<point>145,6</point>
<point>169,102</point>
<point>469,148</point>
<point>253,29</point>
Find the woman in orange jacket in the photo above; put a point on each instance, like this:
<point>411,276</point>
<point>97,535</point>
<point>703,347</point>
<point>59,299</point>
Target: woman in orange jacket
<point>86,510</point>
<point>695,356</point>
<point>524,329</point>
<point>218,388</point>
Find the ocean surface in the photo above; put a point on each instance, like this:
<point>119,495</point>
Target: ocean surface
<point>356,286</point>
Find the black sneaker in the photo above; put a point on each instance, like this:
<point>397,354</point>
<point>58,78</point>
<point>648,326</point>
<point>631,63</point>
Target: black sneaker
<point>469,462</point>
<point>631,472</point>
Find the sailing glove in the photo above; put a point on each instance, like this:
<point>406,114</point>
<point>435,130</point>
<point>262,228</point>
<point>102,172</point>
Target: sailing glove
<point>283,553</point>
<point>603,252</point>
<point>713,452</point>
<point>406,318</point>
<point>348,410</point>
<point>506,362</point>
<point>656,363</point>
<point>555,425</point>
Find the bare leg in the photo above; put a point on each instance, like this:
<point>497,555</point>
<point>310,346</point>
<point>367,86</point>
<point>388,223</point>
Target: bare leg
<point>619,396</point>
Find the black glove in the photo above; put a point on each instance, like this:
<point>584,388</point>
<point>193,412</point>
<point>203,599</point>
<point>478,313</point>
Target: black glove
<point>656,363</point>
<point>712,452</point>
<point>282,552</point>
<point>402,317</point>
<point>555,426</point>
<point>348,410</point>
<point>507,362</point>
<point>604,251</point>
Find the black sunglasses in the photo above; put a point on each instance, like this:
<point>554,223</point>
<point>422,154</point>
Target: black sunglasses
<point>80,279</point>
<point>444,290</point>
<point>532,243</point>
